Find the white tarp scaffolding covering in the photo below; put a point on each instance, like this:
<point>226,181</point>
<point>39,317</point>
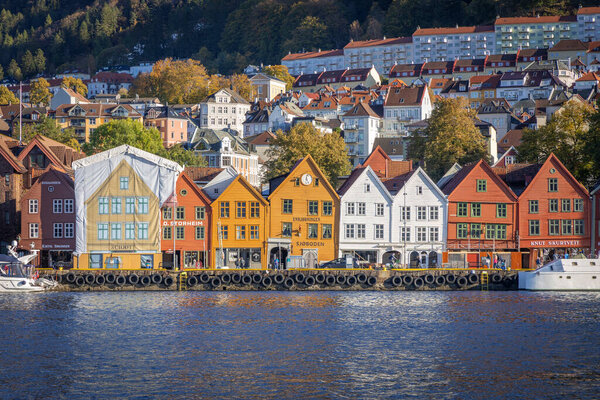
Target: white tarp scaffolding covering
<point>158,173</point>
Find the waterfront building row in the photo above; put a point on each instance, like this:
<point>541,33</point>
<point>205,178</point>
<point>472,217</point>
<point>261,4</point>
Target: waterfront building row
<point>131,209</point>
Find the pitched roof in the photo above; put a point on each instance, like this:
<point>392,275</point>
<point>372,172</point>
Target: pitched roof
<point>80,98</point>
<point>535,20</point>
<point>511,139</point>
<point>588,10</point>
<point>569,45</point>
<point>405,96</point>
<point>392,168</point>
<point>262,139</point>
<point>6,143</point>
<point>590,77</point>
<point>313,54</point>
<point>95,109</point>
<point>553,159</point>
<point>356,172</point>
<point>396,183</point>
<point>362,109</point>
<point>378,42</point>
<point>232,93</point>
<point>453,31</point>
<point>307,159</point>
<point>202,174</point>
<point>59,154</point>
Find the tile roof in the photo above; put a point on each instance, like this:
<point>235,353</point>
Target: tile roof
<point>378,42</point>
<point>496,58</point>
<point>569,45</point>
<point>532,53</point>
<point>589,76</point>
<point>95,109</point>
<point>76,95</point>
<point>6,145</point>
<point>202,174</point>
<point>313,54</point>
<point>512,138</point>
<point>262,139</point>
<point>405,96</point>
<point>396,183</point>
<point>453,31</point>
<point>588,10</point>
<point>362,110</point>
<point>535,20</point>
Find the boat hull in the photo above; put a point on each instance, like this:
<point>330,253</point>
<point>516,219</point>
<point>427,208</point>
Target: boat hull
<point>14,284</point>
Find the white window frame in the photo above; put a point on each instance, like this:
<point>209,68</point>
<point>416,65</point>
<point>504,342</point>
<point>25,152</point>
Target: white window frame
<point>33,206</point>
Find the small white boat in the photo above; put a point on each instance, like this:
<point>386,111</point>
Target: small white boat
<point>17,276</point>
<point>564,274</point>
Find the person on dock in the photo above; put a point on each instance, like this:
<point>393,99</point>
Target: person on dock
<point>276,263</point>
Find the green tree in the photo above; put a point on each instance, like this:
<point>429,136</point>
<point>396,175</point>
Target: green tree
<point>40,61</point>
<point>49,128</point>
<point>75,84</point>
<point>109,20</point>
<point>311,34</point>
<point>124,131</point>
<point>28,64</point>
<point>84,33</point>
<point>48,21</point>
<point>14,71</point>
<point>7,97</point>
<point>568,136</point>
<point>280,72</point>
<point>184,157</point>
<point>450,137</point>
<point>327,149</point>
<point>1,72</point>
<point>39,92</point>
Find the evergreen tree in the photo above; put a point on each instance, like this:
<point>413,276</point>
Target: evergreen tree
<point>40,61</point>
<point>1,72</point>
<point>28,64</point>
<point>84,34</point>
<point>14,71</point>
<point>48,21</point>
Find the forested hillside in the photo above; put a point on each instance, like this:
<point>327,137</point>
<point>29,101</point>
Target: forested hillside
<point>226,35</point>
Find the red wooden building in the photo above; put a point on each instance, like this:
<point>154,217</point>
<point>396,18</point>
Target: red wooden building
<point>48,218</point>
<point>554,211</point>
<point>185,226</point>
<point>596,219</point>
<point>482,215</point>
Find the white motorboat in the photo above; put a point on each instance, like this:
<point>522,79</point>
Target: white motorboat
<point>564,274</point>
<point>16,275</point>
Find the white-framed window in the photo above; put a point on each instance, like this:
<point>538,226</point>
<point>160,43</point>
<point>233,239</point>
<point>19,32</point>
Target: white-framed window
<point>421,234</point>
<point>405,233</point>
<point>360,231</point>
<point>419,189</point>
<point>349,208</point>
<point>378,229</point>
<point>434,213</point>
<point>349,231</point>
<point>421,213</point>
<point>405,213</point>
<point>34,231</point>
<point>57,230</point>
<point>57,206</point>
<point>33,206</point>
<point>434,234</point>
<point>69,206</point>
<point>69,229</point>
<point>361,209</point>
<point>379,207</point>
<point>367,187</point>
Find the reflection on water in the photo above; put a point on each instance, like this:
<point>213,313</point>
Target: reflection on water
<point>478,345</point>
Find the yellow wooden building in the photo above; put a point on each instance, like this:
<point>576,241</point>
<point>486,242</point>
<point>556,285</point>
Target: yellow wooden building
<point>303,217</point>
<point>239,227</point>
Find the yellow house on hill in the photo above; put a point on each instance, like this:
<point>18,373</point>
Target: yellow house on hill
<point>304,217</point>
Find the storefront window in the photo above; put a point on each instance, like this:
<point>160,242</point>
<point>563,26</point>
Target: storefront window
<point>112,262</point>
<point>147,261</point>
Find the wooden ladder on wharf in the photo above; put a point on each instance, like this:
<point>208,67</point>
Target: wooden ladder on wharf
<point>183,281</point>
<point>484,281</point>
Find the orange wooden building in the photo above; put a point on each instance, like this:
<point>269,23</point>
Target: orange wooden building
<point>554,212</point>
<point>482,216</point>
<point>185,226</point>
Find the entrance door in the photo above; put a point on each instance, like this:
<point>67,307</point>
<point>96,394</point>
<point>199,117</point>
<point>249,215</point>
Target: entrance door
<point>433,262</point>
<point>311,257</point>
<point>279,253</point>
<point>414,259</point>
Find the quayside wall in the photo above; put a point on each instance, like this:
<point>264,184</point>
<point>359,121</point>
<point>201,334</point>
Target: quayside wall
<point>314,279</point>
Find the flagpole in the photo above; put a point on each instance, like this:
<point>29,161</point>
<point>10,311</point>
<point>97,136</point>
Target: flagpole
<point>20,112</point>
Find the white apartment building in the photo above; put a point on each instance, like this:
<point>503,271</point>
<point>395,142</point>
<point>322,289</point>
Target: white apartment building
<point>314,61</point>
<point>588,23</point>
<point>513,34</point>
<point>365,216</point>
<point>448,44</point>
<point>419,220</point>
<point>403,106</point>
<point>383,54</point>
<point>361,128</point>
<point>224,109</point>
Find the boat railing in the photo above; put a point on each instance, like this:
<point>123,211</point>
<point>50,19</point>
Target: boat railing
<point>17,270</point>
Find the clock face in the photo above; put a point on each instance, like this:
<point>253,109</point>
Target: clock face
<point>306,179</point>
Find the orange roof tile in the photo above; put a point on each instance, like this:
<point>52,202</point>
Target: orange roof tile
<point>588,10</point>
<point>453,31</point>
<point>535,20</point>
<point>378,42</point>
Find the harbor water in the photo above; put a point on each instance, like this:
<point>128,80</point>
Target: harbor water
<point>299,345</point>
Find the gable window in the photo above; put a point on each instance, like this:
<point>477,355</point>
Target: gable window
<point>57,206</point>
<point>68,206</point>
<point>180,213</point>
<point>462,209</point>
<point>288,206</point>
<point>361,209</point>
<point>434,213</point>
<point>552,184</point>
<point>33,206</point>
<point>240,209</point>
<point>367,187</point>
<point>421,213</point>
<point>405,213</point>
<point>224,209</point>
<point>481,185</point>
<point>534,207</point>
<point>200,212</point>
<point>419,189</point>
<point>501,210</point>
<point>124,183</point>
<point>327,208</point>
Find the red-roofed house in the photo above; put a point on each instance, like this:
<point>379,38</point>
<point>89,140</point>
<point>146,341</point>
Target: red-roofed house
<point>404,105</point>
<point>384,166</point>
<point>482,217</point>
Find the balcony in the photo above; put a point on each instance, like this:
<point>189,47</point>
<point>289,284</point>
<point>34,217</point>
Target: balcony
<point>350,138</point>
<point>506,45</point>
<point>565,28</point>
<point>524,36</point>
<point>509,37</point>
<point>549,36</point>
<point>548,29</point>
<point>77,122</point>
<point>523,29</point>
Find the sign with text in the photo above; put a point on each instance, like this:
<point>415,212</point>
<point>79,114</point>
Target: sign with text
<point>554,243</point>
<point>183,223</point>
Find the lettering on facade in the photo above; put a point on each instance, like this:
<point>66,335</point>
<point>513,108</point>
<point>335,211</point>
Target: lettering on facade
<point>310,244</point>
<point>51,183</point>
<point>555,243</point>
<point>121,247</point>
<point>302,219</point>
<point>183,223</point>
<point>57,246</point>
